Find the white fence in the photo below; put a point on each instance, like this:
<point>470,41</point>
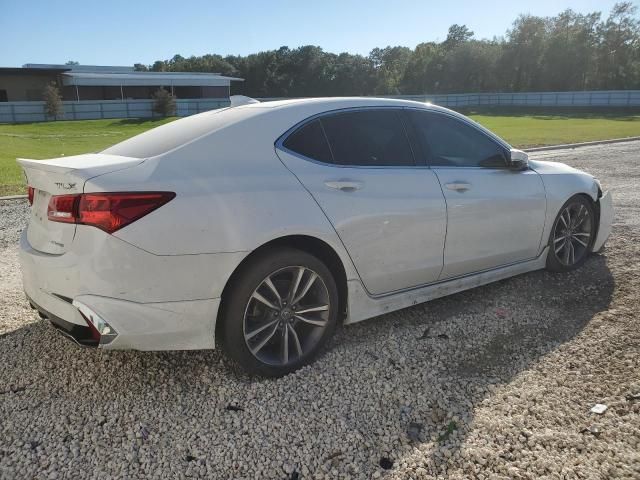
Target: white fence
<point>11,112</point>
<point>608,98</point>
<point>93,109</point>
<point>601,98</point>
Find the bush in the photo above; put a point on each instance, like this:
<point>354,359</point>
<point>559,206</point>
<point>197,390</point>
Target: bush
<point>53,106</point>
<point>164,103</point>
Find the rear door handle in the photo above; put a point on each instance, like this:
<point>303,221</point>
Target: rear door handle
<point>344,185</point>
<point>458,186</point>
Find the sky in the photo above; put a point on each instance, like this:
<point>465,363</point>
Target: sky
<point>124,32</point>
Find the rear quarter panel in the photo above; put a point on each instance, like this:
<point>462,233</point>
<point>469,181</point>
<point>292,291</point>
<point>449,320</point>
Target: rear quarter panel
<point>233,194</point>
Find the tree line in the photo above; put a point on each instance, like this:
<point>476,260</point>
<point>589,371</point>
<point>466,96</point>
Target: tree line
<point>570,51</point>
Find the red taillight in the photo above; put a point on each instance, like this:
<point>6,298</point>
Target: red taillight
<point>107,211</point>
<point>30,192</point>
<point>63,208</point>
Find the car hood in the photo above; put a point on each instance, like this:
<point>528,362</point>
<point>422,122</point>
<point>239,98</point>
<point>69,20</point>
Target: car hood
<point>551,168</point>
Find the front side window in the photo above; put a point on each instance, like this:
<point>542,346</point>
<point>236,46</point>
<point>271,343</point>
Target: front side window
<point>449,142</point>
<point>368,138</point>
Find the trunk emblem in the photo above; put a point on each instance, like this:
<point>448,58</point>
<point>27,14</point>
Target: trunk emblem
<point>65,186</point>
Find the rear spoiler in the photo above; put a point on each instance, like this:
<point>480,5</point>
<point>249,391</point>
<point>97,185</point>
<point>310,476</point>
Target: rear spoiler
<point>68,174</point>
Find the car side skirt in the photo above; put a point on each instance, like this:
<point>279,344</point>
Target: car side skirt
<point>362,306</point>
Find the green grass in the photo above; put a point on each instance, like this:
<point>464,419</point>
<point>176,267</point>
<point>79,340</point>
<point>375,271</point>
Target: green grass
<point>532,130</point>
<point>521,129</point>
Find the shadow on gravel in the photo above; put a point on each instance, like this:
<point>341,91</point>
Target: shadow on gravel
<point>410,379</point>
<point>478,340</point>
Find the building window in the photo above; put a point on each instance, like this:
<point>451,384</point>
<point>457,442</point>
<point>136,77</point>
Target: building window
<point>215,92</point>
<point>3,96</point>
<point>137,92</point>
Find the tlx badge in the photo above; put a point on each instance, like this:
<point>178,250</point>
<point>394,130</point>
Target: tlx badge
<point>65,186</point>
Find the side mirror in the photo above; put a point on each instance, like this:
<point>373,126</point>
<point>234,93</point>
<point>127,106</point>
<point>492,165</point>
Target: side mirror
<point>518,160</point>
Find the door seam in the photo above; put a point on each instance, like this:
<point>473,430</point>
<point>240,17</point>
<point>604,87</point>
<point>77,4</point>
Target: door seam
<point>446,221</point>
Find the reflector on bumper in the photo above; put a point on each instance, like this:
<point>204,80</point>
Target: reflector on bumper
<point>103,332</point>
<point>606,221</point>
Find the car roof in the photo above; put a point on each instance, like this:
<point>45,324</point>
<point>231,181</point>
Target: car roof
<point>286,113</point>
<point>336,103</point>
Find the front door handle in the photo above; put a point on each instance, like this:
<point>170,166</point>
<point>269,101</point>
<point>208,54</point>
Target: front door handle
<point>344,185</point>
<point>458,186</point>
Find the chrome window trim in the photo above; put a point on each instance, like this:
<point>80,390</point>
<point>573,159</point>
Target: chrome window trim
<point>279,143</point>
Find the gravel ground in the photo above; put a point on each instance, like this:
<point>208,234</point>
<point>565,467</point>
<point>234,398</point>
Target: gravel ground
<point>496,382</point>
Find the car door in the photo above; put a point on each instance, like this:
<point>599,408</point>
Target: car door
<point>495,214</point>
<point>389,214</point>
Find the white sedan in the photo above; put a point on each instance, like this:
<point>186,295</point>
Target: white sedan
<point>263,226</point>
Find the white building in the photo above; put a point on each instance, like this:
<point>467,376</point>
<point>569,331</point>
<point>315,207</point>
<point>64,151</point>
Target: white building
<point>99,82</point>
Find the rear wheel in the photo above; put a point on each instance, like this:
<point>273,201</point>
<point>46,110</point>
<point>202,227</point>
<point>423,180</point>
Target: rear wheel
<point>572,235</point>
<point>280,311</point>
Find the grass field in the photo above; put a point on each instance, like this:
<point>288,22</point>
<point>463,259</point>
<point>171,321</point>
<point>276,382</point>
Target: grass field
<point>54,139</point>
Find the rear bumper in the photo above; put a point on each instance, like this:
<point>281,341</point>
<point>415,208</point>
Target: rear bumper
<point>82,335</point>
<point>185,325</point>
<point>149,302</point>
<point>606,221</point>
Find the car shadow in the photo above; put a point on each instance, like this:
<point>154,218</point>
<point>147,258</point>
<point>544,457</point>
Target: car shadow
<point>474,341</point>
<point>409,378</point>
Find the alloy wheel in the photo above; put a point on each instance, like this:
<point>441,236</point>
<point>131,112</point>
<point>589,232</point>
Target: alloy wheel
<point>286,315</point>
<point>572,234</point>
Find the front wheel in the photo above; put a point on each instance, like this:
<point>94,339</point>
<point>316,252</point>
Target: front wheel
<point>280,311</point>
<point>572,235</point>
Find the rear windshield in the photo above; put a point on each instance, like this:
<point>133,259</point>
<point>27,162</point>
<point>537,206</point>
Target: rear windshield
<point>175,134</point>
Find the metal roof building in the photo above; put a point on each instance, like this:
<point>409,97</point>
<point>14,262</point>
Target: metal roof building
<point>100,82</point>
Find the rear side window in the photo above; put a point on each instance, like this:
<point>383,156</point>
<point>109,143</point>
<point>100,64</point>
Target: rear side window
<point>368,138</point>
<point>310,142</point>
<point>450,142</point>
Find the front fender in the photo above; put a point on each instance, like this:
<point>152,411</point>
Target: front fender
<point>561,182</point>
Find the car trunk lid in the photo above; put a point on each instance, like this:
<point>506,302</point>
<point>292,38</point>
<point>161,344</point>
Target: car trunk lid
<point>62,176</point>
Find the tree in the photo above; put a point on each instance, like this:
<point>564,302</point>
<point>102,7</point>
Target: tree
<point>53,106</point>
<point>618,56</point>
<point>164,103</point>
<point>390,64</point>
<point>568,58</point>
<point>424,69</point>
<point>569,51</point>
<point>471,67</point>
<point>522,61</point>
<point>140,67</point>
<point>72,62</point>
<point>159,66</point>
<point>457,34</point>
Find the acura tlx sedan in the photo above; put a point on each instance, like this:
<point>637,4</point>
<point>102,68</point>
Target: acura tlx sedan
<point>262,226</point>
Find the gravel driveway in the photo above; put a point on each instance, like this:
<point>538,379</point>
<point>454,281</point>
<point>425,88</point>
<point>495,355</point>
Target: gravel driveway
<point>496,382</point>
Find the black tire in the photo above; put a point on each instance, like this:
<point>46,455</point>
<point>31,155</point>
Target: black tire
<point>571,239</point>
<point>242,311</point>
